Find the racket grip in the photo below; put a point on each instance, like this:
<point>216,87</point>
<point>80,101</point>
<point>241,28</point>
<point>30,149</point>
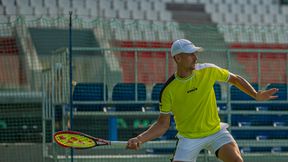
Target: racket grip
<point>118,142</point>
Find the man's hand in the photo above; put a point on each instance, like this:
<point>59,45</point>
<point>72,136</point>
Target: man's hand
<point>266,94</point>
<point>134,143</point>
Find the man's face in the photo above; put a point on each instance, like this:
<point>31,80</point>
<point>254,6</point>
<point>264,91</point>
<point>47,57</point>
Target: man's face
<point>187,60</point>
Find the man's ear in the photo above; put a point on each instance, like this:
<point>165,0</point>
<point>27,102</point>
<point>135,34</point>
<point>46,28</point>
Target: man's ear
<point>177,58</point>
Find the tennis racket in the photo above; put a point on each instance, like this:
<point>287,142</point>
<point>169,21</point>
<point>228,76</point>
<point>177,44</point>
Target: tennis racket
<point>78,140</point>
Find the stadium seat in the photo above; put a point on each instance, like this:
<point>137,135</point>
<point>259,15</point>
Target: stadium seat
<point>238,95</point>
<point>260,134</point>
<point>126,92</point>
<point>90,92</point>
<point>217,90</point>
<point>258,120</point>
<point>156,91</point>
<point>282,93</point>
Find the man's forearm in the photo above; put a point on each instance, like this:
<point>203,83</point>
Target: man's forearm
<point>245,86</point>
<point>156,130</point>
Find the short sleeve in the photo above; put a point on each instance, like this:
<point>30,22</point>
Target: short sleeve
<point>220,74</point>
<point>165,101</point>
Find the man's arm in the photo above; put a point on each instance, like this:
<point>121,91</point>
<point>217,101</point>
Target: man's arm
<point>155,130</point>
<point>246,87</point>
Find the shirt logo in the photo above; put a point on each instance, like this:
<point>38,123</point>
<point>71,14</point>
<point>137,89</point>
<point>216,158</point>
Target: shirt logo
<point>192,90</point>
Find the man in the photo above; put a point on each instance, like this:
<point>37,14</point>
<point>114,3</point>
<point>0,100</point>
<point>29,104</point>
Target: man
<point>189,96</point>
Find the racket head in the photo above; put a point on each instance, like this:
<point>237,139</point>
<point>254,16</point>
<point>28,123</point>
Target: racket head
<point>78,140</point>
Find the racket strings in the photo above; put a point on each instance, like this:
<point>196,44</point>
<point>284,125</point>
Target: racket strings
<point>75,141</point>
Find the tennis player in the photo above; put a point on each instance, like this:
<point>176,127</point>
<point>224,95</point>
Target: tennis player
<point>189,96</point>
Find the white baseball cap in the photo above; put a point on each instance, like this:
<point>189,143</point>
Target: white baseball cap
<point>184,46</point>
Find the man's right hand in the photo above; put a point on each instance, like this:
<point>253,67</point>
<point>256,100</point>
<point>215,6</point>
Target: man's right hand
<point>134,143</point>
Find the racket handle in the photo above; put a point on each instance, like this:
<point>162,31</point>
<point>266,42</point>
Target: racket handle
<point>118,142</point>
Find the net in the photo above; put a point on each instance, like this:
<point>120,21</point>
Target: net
<point>119,68</point>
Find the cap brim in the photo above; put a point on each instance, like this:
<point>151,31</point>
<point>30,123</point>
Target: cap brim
<point>194,49</point>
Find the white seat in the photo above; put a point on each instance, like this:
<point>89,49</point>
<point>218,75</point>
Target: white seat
<point>269,19</point>
<point>283,37</point>
<point>178,1</point>
<point>281,19</point>
<point>210,8</point>
<point>177,35</point>
<point>164,35</point>
<point>143,25</point>
<point>270,37</point>
<point>165,16</point>
<point>78,3</point>
<point>230,18</point>
<point>41,11</point>
<point>36,3</point>
<point>158,6</point>
<point>118,5</point>
<point>172,26</point>
<point>115,24</point>
<point>235,8</point>
<point>223,8</point>
<point>284,9</point>
<point>129,24</point>
<point>22,2</point>
<point>94,12</point>
<point>53,11</point>
<point>4,19</point>
<point>260,9</point>
<point>124,14</point>
<point>66,10</point>
<point>2,10</point>
<point>25,10</point>
<point>8,3</point>
<point>255,19</point>
<point>243,37</point>
<point>218,18</point>
<point>145,5</point>
<point>229,37</point>
<point>273,9</point>
<point>120,34</point>
<point>242,18</point>
<point>110,13</point>
<point>10,10</point>
<point>256,37</point>
<point>135,35</point>
<point>242,2</point>
<point>50,3</point>
<point>138,14</point>
<point>249,9</point>
<point>106,4</point>
<point>267,3</point>
<point>83,11</point>
<point>132,5</point>
<point>157,26</point>
<point>64,3</point>
<point>92,4</point>
<point>149,35</point>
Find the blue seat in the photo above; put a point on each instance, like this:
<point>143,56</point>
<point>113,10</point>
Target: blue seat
<point>258,120</point>
<point>155,95</point>
<point>127,92</point>
<point>282,93</point>
<point>156,90</point>
<point>238,95</point>
<point>89,92</point>
<point>217,90</point>
<point>260,134</point>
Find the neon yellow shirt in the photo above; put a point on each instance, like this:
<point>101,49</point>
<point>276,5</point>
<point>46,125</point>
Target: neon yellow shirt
<point>192,100</point>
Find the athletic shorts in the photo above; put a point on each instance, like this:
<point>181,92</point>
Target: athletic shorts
<point>188,149</point>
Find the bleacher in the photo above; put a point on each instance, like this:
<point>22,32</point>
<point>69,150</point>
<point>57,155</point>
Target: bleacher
<point>132,85</point>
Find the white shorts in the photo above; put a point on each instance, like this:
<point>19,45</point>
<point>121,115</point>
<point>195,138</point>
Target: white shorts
<point>188,149</point>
